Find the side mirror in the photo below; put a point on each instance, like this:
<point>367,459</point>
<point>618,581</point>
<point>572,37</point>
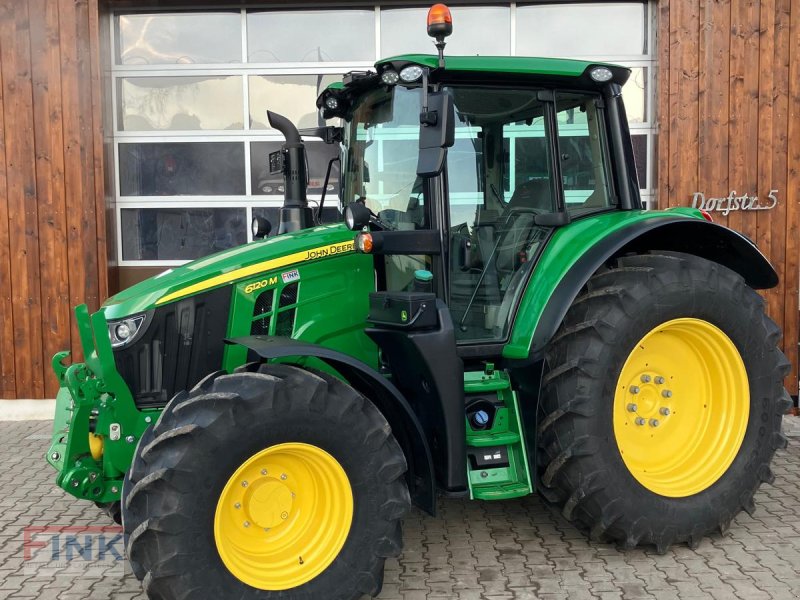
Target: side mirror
<point>436,133</point>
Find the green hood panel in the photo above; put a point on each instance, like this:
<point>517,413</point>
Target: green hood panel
<point>228,266</point>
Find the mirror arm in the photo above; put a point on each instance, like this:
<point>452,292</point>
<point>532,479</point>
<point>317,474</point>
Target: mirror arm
<point>325,188</point>
<point>424,93</point>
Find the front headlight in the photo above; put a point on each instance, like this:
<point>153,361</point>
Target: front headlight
<point>124,331</point>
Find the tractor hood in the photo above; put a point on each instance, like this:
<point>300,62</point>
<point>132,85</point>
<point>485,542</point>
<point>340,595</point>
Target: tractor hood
<point>229,266</point>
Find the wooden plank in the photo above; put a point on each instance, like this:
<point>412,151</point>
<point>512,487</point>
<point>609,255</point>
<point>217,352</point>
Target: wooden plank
<point>662,108</point>
<point>49,142</point>
<point>87,139</point>
<point>96,50</point>
<point>79,192</point>
<point>713,97</point>
<point>743,130</point>
<point>792,262</point>
<point>22,205</point>
<point>683,142</point>
<point>8,387</point>
<point>777,150</point>
<point>766,70</point>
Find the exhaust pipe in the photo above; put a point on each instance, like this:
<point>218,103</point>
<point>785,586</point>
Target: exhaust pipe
<point>295,213</point>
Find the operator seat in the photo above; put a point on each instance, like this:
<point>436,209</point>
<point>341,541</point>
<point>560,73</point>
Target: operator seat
<point>530,198</point>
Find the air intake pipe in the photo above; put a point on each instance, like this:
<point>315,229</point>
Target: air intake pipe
<point>295,213</point>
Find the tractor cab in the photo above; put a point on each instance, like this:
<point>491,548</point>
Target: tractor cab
<point>456,171</point>
<point>459,177</point>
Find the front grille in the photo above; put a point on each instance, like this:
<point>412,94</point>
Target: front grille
<point>183,342</point>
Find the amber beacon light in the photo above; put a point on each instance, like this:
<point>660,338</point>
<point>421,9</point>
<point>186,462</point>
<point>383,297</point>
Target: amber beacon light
<point>440,22</point>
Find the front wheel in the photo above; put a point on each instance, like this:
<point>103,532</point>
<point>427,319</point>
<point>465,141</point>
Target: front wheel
<point>662,401</point>
<point>273,482</point>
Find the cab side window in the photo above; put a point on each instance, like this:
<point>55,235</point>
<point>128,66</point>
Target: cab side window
<point>582,153</point>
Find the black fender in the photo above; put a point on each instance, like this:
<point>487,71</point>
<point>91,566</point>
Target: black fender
<point>699,237</point>
<point>382,392</point>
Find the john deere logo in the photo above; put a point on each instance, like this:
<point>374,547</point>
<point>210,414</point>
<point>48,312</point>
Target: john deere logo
<point>403,316</point>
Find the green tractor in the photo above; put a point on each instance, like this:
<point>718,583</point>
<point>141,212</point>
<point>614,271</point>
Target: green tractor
<point>496,317</point>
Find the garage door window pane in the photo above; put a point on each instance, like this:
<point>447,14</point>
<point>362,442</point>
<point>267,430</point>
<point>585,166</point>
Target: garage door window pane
<point>179,38</point>
<point>311,36</point>
<point>330,214</point>
<point>181,168</point>
<point>293,96</point>
<point>319,154</point>
<point>634,93</point>
<point>581,29</point>
<point>180,103</point>
<point>180,233</point>
<point>478,30</point>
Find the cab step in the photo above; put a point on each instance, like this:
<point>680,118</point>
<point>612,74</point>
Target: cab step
<point>497,464</point>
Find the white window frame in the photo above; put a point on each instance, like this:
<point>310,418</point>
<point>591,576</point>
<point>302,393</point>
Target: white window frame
<point>247,135</point>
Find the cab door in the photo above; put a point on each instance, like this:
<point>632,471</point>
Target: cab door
<point>499,178</point>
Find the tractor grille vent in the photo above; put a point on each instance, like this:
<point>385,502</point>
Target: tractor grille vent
<point>285,324</point>
<point>263,304</point>
<point>288,295</point>
<point>261,313</point>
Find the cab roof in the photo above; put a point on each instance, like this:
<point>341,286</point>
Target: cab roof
<point>480,70</point>
<point>516,65</point>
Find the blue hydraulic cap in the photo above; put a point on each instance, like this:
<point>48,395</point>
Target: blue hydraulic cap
<point>423,275</point>
<point>480,418</point>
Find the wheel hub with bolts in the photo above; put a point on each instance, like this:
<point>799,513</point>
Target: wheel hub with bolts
<point>681,407</point>
<point>289,506</point>
<point>653,401</point>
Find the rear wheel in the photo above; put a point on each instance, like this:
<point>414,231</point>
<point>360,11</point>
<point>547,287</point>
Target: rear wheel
<point>662,401</point>
<point>270,483</point>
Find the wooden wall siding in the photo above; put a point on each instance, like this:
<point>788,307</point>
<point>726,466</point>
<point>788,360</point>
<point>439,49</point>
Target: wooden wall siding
<point>52,215</point>
<point>729,119</point>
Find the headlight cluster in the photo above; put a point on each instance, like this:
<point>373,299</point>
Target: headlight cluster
<point>123,332</point>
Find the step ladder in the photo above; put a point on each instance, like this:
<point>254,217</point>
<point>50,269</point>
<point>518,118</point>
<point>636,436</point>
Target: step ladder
<point>497,463</point>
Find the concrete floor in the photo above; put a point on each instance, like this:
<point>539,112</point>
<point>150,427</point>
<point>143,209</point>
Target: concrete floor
<point>518,549</point>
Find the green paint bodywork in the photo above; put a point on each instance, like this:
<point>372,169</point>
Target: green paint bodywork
<point>143,296</point>
<point>93,393</point>
<point>567,245</point>
<point>331,310</point>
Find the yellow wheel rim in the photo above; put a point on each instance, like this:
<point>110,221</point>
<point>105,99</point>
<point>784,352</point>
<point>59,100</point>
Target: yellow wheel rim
<point>284,516</point>
<point>681,407</point>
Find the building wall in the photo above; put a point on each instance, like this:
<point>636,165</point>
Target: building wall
<point>52,232</point>
<point>729,102</point>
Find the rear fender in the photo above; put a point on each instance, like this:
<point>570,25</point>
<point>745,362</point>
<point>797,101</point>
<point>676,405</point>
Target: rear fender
<point>677,234</point>
<point>405,425</point>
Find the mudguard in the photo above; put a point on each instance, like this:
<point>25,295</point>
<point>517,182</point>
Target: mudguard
<point>665,232</point>
<point>405,425</point>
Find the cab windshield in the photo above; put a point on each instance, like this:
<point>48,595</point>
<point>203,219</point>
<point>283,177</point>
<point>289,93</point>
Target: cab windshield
<point>380,161</point>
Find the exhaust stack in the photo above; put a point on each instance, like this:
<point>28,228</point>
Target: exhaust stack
<point>295,213</point>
